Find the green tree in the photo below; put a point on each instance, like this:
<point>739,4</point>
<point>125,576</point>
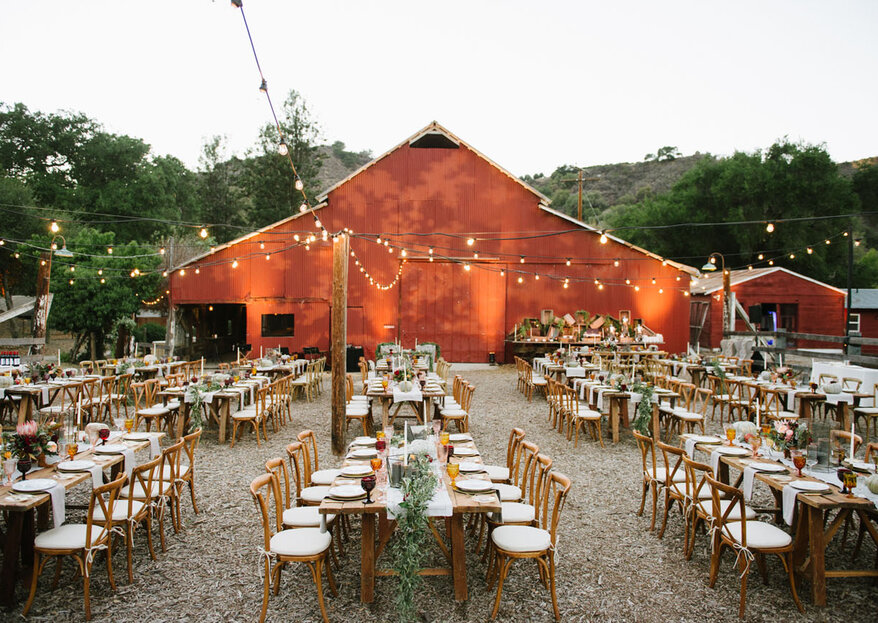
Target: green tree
<point>268,179</point>
<point>219,192</point>
<point>668,152</point>
<point>90,305</point>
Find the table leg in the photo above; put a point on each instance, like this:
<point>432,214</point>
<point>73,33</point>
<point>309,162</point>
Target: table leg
<point>817,552</point>
<point>385,412</point>
<point>614,419</point>
<point>182,416</point>
<point>367,559</point>
<point>224,414</point>
<point>11,550</point>
<point>25,409</point>
<point>458,557</point>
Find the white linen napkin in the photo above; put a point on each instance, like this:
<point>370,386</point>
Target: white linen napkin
<point>439,506</point>
<point>714,461</point>
<point>154,448</point>
<point>45,394</point>
<point>574,372</point>
<point>58,493</point>
<point>789,503</point>
<point>690,449</point>
<point>128,453</point>
<point>97,476</point>
<point>749,473</point>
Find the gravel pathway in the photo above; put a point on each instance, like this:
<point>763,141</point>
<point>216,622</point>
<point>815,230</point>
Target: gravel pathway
<point>610,567</point>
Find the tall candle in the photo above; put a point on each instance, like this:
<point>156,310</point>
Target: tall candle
<point>405,447</point>
<point>238,360</point>
<point>260,351</point>
<point>202,366</point>
<point>59,357</point>
<point>851,455</point>
<point>758,418</point>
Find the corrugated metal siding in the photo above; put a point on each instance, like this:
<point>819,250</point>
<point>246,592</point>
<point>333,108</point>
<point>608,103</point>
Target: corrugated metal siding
<point>467,313</point>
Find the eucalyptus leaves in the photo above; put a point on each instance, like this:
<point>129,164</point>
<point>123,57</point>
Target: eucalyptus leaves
<point>643,413</point>
<point>408,547</point>
<point>195,397</point>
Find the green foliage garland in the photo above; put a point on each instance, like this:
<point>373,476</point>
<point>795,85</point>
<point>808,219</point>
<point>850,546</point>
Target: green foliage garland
<point>408,548</point>
<point>643,413</point>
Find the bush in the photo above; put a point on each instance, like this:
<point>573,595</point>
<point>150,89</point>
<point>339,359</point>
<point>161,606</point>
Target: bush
<point>149,332</point>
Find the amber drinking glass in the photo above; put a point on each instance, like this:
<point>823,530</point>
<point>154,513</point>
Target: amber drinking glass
<point>72,449</point>
<point>453,469</point>
<point>731,433</point>
<point>444,437</point>
<point>798,461</point>
<point>129,424</point>
<point>376,463</point>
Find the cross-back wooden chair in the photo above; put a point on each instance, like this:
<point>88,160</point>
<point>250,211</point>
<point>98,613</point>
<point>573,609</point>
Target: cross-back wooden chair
<point>772,405</point>
<point>533,382</point>
<point>748,539</point>
<point>63,403</point>
<point>255,415</point>
<point>145,408</point>
<point>184,470</point>
<point>317,476</point>
<point>119,397</point>
<point>81,541</point>
<point>460,414</point>
<point>654,477</point>
<point>307,545</point>
<point>300,467</point>
<point>674,488</point>
<point>529,542</point>
<point>721,396</point>
<point>500,473</point>
<point>579,417</point>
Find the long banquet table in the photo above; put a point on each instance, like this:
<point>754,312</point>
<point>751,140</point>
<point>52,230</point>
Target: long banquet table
<point>811,535</point>
<point>376,513</point>
<point>19,509</point>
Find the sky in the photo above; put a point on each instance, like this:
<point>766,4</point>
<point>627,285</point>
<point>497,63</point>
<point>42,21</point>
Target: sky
<point>532,85</point>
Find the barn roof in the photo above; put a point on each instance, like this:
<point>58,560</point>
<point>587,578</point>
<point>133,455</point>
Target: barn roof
<point>714,282</point>
<point>435,131</point>
<point>864,298</point>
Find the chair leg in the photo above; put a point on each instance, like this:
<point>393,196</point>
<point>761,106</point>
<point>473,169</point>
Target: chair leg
<point>316,572</point>
<point>503,571</point>
<point>38,566</point>
<point>552,585</point>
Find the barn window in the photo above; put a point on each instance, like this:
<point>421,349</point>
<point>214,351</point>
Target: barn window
<point>433,140</point>
<point>278,325</point>
<point>854,323</point>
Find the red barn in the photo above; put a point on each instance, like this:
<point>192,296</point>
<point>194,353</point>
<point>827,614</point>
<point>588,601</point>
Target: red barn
<point>788,301</point>
<point>864,315</point>
<point>466,248</point>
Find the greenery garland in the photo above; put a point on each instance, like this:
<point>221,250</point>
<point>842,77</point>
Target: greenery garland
<point>408,547</point>
<point>643,413</point>
<point>194,395</point>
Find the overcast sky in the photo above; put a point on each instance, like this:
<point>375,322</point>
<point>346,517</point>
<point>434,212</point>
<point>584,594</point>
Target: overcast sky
<point>531,84</point>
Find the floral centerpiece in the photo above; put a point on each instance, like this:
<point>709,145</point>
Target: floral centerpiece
<point>41,371</point>
<point>785,374</point>
<point>29,442</point>
<point>788,434</point>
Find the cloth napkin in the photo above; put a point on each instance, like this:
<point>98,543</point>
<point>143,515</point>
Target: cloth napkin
<point>154,448</point>
<point>97,476</point>
<point>128,453</point>
<point>749,473</point>
<point>574,372</point>
<point>690,450</point>
<point>789,503</point>
<point>58,493</point>
<point>413,396</point>
<point>714,460</point>
<point>45,394</point>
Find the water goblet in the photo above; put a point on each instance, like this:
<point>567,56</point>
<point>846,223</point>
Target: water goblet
<point>376,464</point>
<point>9,467</point>
<point>437,424</point>
<point>119,422</point>
<point>24,466</point>
<point>104,434</point>
<point>129,424</point>
<point>92,437</point>
<point>798,461</point>
<point>72,448</point>
<point>453,469</point>
<point>444,437</point>
<point>368,483</point>
<point>841,473</point>
<point>755,444</point>
<point>731,433</point>
<point>380,443</point>
<point>849,478</point>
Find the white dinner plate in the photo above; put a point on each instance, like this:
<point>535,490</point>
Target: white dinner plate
<point>75,466</point>
<point>861,466</point>
<point>363,453</point>
<point>111,448</point>
<point>469,466</point>
<point>460,437</point>
<point>705,438</point>
<point>733,451</point>
<point>474,486</point>
<point>356,470</point>
<point>760,466</point>
<point>465,452</point>
<point>137,437</point>
<point>346,492</point>
<point>809,485</point>
<point>364,441</point>
<point>35,485</point>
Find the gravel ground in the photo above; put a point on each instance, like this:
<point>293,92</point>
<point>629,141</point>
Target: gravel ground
<point>610,567</point>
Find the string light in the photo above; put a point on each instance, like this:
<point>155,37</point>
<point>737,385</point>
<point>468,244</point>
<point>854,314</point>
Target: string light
<point>110,250</point>
<point>568,261</point>
<point>282,148</point>
<point>235,264</point>
<point>769,228</point>
<point>521,279</point>
<point>615,263</point>
<point>470,241</point>
<point>299,184</point>
<point>521,261</point>
<point>466,267</point>
<point>182,272</point>
<point>809,250</point>
<point>162,251</point>
<point>603,238</point>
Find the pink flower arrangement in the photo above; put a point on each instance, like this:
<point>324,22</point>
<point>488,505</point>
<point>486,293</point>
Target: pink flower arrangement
<point>29,441</point>
<point>788,434</point>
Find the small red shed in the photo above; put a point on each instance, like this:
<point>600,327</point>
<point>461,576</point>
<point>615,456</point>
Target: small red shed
<point>785,300</point>
<point>864,315</point>
<point>447,247</point>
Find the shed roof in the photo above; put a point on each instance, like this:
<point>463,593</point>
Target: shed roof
<point>713,282</point>
<point>864,298</point>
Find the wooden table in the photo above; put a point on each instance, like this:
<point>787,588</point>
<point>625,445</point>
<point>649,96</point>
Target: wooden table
<point>376,513</point>
<point>812,535</point>
<point>221,408</point>
<point>32,396</point>
<point>618,411</point>
<point>385,397</point>
<point>21,527</point>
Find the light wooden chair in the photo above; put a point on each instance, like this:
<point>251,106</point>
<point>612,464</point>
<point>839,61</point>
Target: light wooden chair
<point>514,491</point>
<point>317,476</point>
<point>675,490</point>
<point>306,545</point>
<point>869,415</point>
<point>499,473</point>
<point>694,414</point>
<point>748,539</point>
<point>121,393</point>
<point>529,542</point>
<point>721,396</point>
<point>356,410</point>
<point>145,409</point>
<point>654,477</point>
<point>306,494</point>
<point>533,383</point>
<point>81,541</point>
<point>772,405</point>
<point>460,414</point>
<point>183,473</point>
<point>129,512</point>
<point>255,415</point>
<point>579,417</point>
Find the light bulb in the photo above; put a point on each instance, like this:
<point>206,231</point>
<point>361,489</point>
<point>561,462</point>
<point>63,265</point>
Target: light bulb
<point>661,290</point>
<point>203,232</point>
<point>827,241</point>
<point>299,184</point>
<point>603,238</point>
<point>810,250</point>
<point>317,223</point>
<point>568,261</point>
<point>235,264</point>
<point>403,253</point>
<point>162,251</point>
<point>70,282</point>
<point>566,286</point>
<point>164,273</point>
<point>197,271</point>
<point>296,237</point>
<point>268,256</point>
<point>261,245</point>
<point>103,280</point>
<point>637,288</point>
<point>616,263</point>
<point>54,228</point>
<point>110,250</point>
<point>303,207</point>
<point>466,267</point>
<point>182,272</point>
<point>521,261</point>
<point>627,282</point>
<point>282,149</point>
<point>792,256</point>
<point>760,257</point>
<point>73,269</point>
<point>769,228</point>
<point>471,241</point>
<point>100,271</point>
<point>430,251</point>
<point>520,280</point>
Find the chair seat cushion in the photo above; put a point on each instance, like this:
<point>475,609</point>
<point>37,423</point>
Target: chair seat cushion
<point>355,410</point>
<point>359,399</point>
<point>166,472</point>
<point>158,488</point>
<point>661,474</point>
<point>173,405</point>
<point>67,536</point>
<point>315,494</point>
<point>539,381</point>
<point>508,493</point>
<point>703,492</point>
<point>453,413</point>
<point>515,512</point>
<point>759,534</point>
<point>688,416</point>
<point>153,411</point>
<point>304,516</point>
<point>496,472</point>
<point>707,507</point>
<point>245,414</point>
<point>120,511</point>
<point>587,414</point>
<point>521,539</point>
<point>325,476</point>
<point>867,410</point>
<point>300,542</point>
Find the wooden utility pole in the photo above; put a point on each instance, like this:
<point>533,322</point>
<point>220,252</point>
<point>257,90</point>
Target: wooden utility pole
<point>579,180</point>
<point>41,303</point>
<point>339,338</point>
<point>171,324</point>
